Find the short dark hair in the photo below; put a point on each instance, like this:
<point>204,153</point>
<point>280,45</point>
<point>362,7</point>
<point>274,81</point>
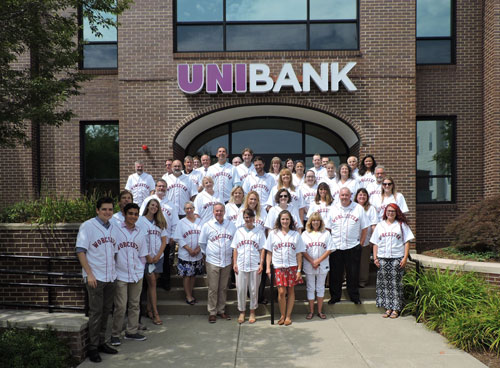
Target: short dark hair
<point>277,196</point>
<point>249,212</point>
<point>130,206</point>
<point>258,158</point>
<point>103,200</point>
<point>125,192</point>
<point>277,224</point>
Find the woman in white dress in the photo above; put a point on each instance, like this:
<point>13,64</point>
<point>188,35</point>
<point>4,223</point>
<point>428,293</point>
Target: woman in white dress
<point>205,200</point>
<point>389,195</point>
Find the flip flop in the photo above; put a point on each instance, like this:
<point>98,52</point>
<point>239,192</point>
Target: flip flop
<point>281,321</point>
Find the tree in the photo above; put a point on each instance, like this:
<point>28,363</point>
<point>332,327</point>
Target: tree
<point>47,31</point>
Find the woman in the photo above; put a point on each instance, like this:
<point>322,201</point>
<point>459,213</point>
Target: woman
<point>285,181</point>
<point>367,171</point>
<point>289,164</point>
<point>252,202</point>
<point>389,195</point>
<point>190,263</point>
<point>298,175</point>
<point>205,200</point>
<point>248,262</point>
<point>309,189</point>
<point>156,225</point>
<point>196,162</point>
<point>363,198</point>
<point>344,179</point>
<point>275,168</point>
<point>322,202</point>
<point>391,245</point>
<point>283,198</point>
<point>318,246</point>
<point>330,174</point>
<point>233,207</point>
<point>285,248</point>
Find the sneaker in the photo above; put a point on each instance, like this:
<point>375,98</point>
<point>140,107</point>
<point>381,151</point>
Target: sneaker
<point>136,337</point>
<point>115,341</point>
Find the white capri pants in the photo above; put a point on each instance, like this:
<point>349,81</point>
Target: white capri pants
<point>315,282</point>
<point>247,281</point>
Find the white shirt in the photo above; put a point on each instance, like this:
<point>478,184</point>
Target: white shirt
<point>330,181</point>
<point>196,177</point>
<point>374,189</point>
<point>308,193</point>
<point>366,179</point>
<point>203,171</point>
<point>140,186</point>
<point>380,204</point>
<point>322,208</point>
<point>118,218</point>
<point>352,184</point>
<point>284,247</point>
<point>244,171</point>
<point>371,215</point>
<point>316,245</point>
<point>179,191</point>
<point>391,238</point>
<point>275,177</point>
<point>215,242</point>
<point>232,212</point>
<point>296,181</point>
<point>225,178</point>
<point>346,224</point>
<point>296,195</point>
<point>320,173</point>
<point>100,244</point>
<point>187,233</point>
<point>204,204</point>
<point>170,213</point>
<point>248,244</point>
<point>260,184</point>
<point>273,213</point>
<point>259,221</point>
<point>154,235</point>
<point>130,245</point>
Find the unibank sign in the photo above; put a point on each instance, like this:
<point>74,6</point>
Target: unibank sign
<point>256,78</point>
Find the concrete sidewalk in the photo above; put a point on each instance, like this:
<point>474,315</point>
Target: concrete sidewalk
<point>363,340</point>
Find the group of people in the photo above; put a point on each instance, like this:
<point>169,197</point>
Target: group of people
<point>238,223</point>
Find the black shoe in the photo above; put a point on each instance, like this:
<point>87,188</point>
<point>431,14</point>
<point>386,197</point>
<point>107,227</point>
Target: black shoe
<point>356,301</point>
<point>166,287</point>
<point>94,356</point>
<point>106,349</point>
<point>333,301</point>
<point>264,301</point>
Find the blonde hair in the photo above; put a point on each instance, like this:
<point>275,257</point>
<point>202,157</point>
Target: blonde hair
<point>315,216</point>
<point>273,160</point>
<point>231,198</point>
<point>257,207</point>
<point>280,179</point>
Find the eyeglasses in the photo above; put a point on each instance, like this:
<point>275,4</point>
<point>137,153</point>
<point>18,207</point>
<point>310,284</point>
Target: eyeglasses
<point>283,196</point>
<point>386,184</point>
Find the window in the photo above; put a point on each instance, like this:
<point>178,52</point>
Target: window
<point>272,136</point>
<point>100,49</point>
<point>436,167</point>
<point>100,163</point>
<point>260,25</point>
<point>435,32</point>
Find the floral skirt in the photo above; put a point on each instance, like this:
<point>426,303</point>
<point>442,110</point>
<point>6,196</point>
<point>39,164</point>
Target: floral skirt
<point>286,276</point>
<point>187,268</point>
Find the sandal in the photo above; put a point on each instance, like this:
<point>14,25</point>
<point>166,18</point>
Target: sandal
<point>288,322</point>
<point>394,314</point>
<point>309,316</point>
<point>387,313</point>
<point>281,321</point>
<point>241,318</point>
<point>156,320</point>
<point>150,314</point>
<point>252,318</point>
<point>322,315</point>
<point>190,302</point>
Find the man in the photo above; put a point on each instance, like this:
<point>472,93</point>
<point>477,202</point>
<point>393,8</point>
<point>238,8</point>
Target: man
<point>376,187</point>
<point>324,161</point>
<point>172,218</point>
<point>180,189</point>
<point>348,225</point>
<point>215,242</point>
<point>247,168</point>
<point>352,161</point>
<point>140,184</point>
<point>236,161</point>
<point>124,198</point>
<point>168,166</point>
<point>96,248</point>
<point>131,255</point>
<point>205,164</point>
<point>260,181</point>
<point>224,175</point>
<point>318,170</point>
<point>194,175</point>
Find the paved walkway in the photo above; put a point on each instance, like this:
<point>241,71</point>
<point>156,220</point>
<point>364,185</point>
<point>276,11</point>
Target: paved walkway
<point>365,340</point>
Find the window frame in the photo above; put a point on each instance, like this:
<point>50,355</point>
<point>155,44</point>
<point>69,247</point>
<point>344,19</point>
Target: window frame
<point>224,23</point>
<point>452,38</point>
<point>453,175</point>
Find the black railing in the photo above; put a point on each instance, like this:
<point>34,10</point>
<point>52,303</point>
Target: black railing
<point>50,285</point>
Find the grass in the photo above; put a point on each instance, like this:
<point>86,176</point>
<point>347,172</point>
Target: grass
<point>465,254</point>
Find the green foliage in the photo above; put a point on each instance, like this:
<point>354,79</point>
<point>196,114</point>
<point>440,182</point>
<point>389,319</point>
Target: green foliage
<point>29,348</point>
<point>462,306</point>
<point>465,253</point>
<point>478,227</point>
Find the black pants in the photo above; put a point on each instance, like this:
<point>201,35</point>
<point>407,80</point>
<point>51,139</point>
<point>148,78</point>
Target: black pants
<point>263,280</point>
<point>164,279</point>
<point>347,260</point>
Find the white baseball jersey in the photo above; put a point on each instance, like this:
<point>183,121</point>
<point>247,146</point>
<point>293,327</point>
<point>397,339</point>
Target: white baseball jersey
<point>273,213</point>
<point>355,174</point>
<point>170,213</point>
<point>154,235</point>
<point>371,215</point>
<point>179,191</point>
<point>232,212</point>
<point>284,247</point>
<point>204,206</point>
<point>317,244</point>
<point>225,178</point>
<point>260,221</point>
<point>196,177</point>
<point>203,171</point>
<point>296,195</point>
<point>140,186</point>
<point>320,207</point>
<point>366,179</point>
<point>380,204</point>
<point>330,181</point>
<point>248,244</point>
<point>100,244</point>
<point>118,218</point>
<point>244,171</point>
<point>346,224</point>
<point>391,238</point>
<point>130,245</point>
<point>296,181</point>
<point>351,184</point>
<point>275,177</point>
<point>374,189</point>
<point>260,184</point>
<point>187,233</point>
<point>215,242</point>
<point>308,193</point>
<point>320,173</point>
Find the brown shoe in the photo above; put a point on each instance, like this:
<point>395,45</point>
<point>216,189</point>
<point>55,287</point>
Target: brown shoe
<point>212,319</point>
<point>224,316</point>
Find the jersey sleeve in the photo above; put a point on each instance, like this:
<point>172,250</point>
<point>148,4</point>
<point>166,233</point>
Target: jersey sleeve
<point>82,240</point>
<point>129,183</point>
<point>402,203</point>
<point>375,235</point>
<point>268,245</point>
<point>407,233</point>
<point>151,184</point>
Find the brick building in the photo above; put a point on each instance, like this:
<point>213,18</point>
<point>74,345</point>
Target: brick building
<point>425,100</point>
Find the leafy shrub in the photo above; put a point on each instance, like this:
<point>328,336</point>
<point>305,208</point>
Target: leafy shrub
<point>478,227</point>
<point>29,348</point>
<point>462,306</point>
